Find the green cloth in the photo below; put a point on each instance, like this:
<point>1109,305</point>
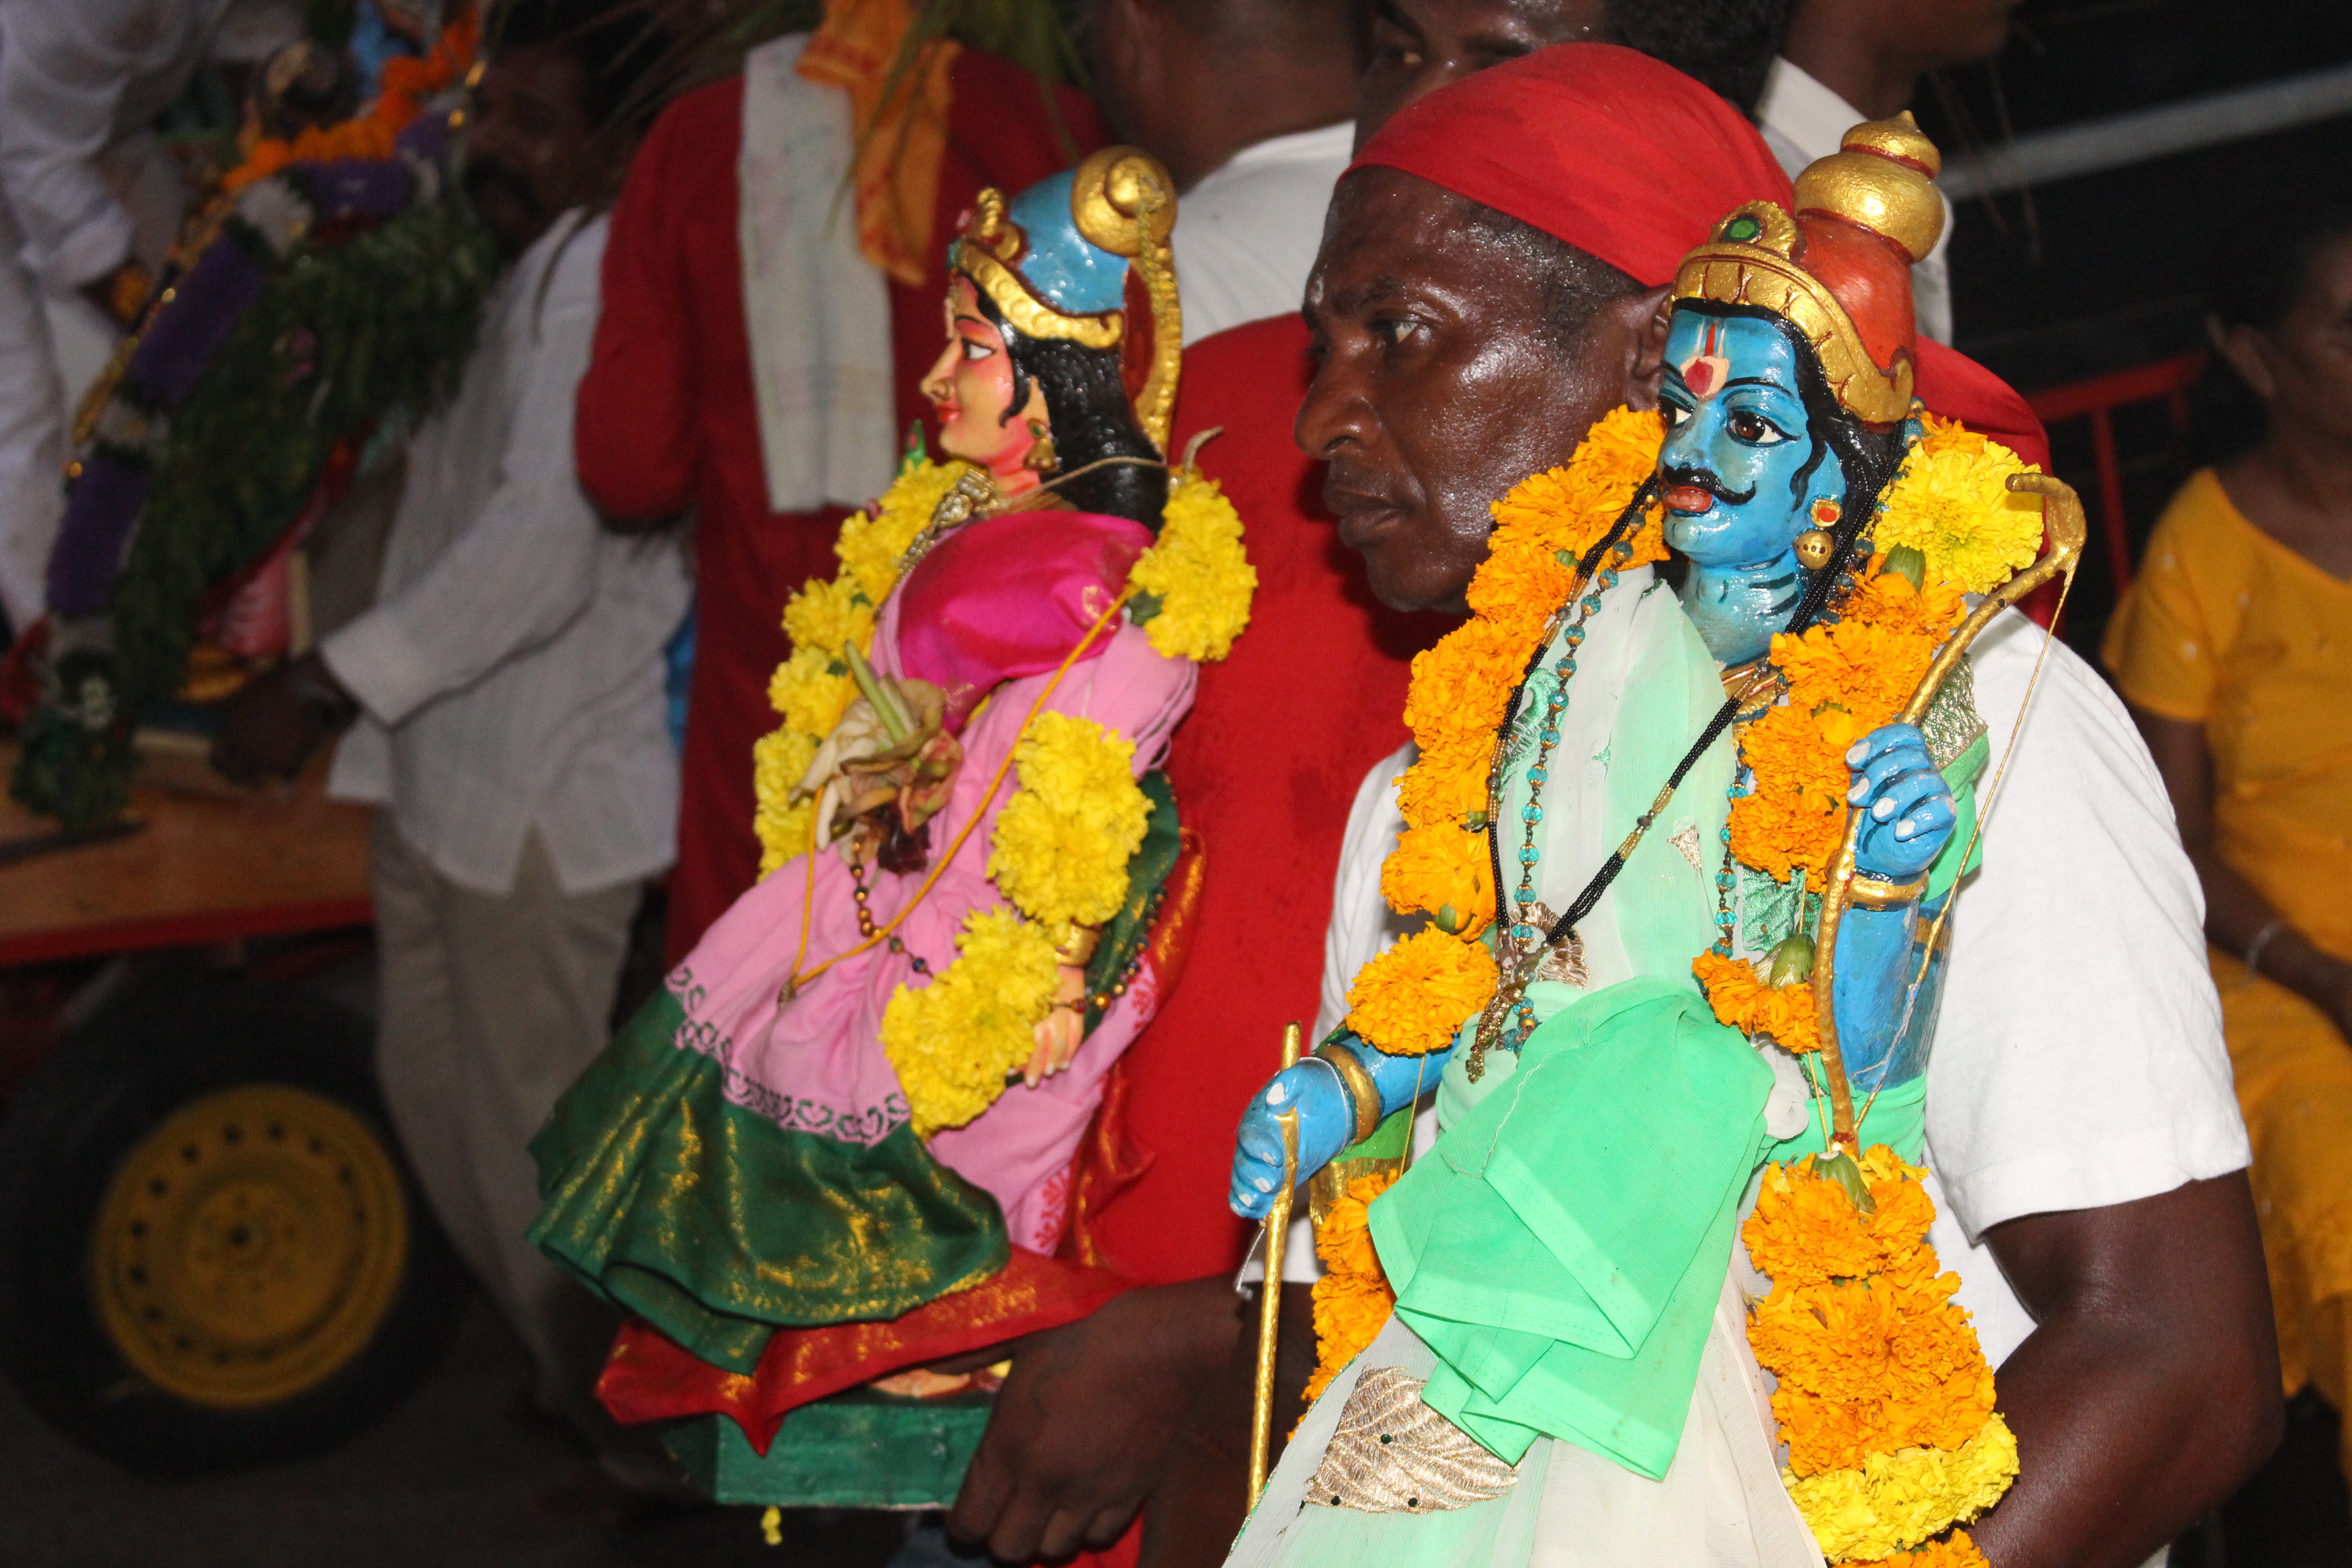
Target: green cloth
<point>1124,933</point>
<point>1898,1118</point>
<point>857,1450</point>
<point>1562,1249</point>
<point>1960,777</point>
<point>719,1227</point>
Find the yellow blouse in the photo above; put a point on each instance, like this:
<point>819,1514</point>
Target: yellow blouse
<point>2228,627</point>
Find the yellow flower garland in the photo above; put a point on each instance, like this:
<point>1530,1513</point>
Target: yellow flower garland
<point>811,687</point>
<point>1196,572</point>
<point>1060,848</point>
<point>954,1041</point>
<point>1061,845</point>
<point>1953,504</point>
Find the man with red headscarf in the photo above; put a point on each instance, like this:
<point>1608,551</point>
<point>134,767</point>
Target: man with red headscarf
<point>1315,695</point>
<point>1489,287</point>
<point>1475,311</point>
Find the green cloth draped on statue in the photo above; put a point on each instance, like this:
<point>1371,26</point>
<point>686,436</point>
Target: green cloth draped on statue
<point>1556,1307</point>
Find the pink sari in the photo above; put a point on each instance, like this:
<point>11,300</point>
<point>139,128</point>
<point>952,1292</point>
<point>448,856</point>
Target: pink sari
<point>988,616</point>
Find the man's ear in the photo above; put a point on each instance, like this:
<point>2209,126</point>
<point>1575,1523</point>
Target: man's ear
<point>1648,315</point>
<point>2242,346</point>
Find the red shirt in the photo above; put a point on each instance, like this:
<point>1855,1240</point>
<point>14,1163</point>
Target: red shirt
<point>1265,769</point>
<point>667,421</point>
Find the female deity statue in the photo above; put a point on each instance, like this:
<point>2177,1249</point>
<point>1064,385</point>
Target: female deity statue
<point>844,1139</point>
<point>1683,882</point>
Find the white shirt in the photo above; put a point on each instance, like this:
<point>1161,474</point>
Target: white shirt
<point>1246,235</point>
<point>81,77</point>
<point>1801,121</point>
<point>511,672</point>
<point>2078,1058</point>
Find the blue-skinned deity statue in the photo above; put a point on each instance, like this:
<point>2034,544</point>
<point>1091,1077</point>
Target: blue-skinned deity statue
<point>1787,407</point>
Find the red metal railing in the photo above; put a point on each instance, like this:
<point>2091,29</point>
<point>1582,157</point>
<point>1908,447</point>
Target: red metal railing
<point>2097,400</point>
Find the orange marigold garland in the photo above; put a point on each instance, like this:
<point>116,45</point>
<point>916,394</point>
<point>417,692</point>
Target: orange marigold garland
<point>1884,1397</point>
<point>1957,1552</point>
<point>1352,1300</point>
<point>408,82</point>
<point>1741,998</point>
<point>1411,999</point>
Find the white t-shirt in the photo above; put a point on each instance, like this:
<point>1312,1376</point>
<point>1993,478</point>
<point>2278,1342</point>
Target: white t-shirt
<point>2078,1058</point>
<point>1246,235</point>
<point>1802,120</point>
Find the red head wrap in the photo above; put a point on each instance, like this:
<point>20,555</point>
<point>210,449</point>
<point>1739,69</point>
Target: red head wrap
<point>1630,160</point>
<point>1620,157</point>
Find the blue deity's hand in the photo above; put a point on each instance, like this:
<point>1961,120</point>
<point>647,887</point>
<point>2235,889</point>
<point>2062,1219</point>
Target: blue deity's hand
<point>1906,811</point>
<point>1326,1121</point>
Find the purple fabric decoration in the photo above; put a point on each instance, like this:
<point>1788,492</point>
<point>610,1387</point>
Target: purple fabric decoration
<point>373,188</point>
<point>426,138</point>
<point>99,511</point>
<point>205,308</point>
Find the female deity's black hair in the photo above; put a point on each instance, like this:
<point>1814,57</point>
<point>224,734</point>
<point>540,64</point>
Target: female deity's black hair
<point>1087,406</point>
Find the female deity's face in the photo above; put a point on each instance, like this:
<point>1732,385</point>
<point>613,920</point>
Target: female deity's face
<point>971,386</point>
<point>1738,438</point>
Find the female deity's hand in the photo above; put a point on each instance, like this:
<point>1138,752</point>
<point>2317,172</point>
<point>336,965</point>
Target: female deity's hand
<point>1063,1031</point>
<point>1906,811</point>
<point>1327,1122</point>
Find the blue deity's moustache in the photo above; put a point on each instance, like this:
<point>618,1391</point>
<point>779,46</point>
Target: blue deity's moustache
<point>1695,491</point>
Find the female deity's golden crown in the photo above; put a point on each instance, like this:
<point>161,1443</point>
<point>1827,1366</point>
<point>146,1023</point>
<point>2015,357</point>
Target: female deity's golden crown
<point>1841,269</point>
<point>1055,260</point>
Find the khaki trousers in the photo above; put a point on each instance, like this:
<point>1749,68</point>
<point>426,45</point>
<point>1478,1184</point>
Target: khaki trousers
<point>490,1008</point>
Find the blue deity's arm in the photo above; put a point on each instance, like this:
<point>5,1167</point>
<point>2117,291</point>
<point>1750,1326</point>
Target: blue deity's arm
<point>1907,817</point>
<point>1327,1116</point>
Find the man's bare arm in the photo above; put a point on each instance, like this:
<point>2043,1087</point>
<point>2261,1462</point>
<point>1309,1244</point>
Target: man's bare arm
<point>2149,1390</point>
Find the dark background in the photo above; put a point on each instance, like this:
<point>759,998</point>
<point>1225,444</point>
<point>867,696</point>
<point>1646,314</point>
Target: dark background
<point>2057,283</point>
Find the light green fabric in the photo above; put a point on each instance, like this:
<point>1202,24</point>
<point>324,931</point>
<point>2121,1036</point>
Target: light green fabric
<point>1960,776</point>
<point>1898,1118</point>
<point>1647,676</point>
<point>1665,905</point>
<point>1562,1249</point>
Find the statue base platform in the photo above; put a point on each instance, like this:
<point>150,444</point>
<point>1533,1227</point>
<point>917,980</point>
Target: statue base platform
<point>857,1450</point>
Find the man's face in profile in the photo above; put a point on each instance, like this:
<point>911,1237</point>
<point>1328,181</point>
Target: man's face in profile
<point>1444,377</point>
<point>1419,46</point>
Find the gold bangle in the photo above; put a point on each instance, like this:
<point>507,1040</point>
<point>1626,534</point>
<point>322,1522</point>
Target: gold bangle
<point>1074,953</point>
<point>1872,893</point>
<point>1362,1093</point>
